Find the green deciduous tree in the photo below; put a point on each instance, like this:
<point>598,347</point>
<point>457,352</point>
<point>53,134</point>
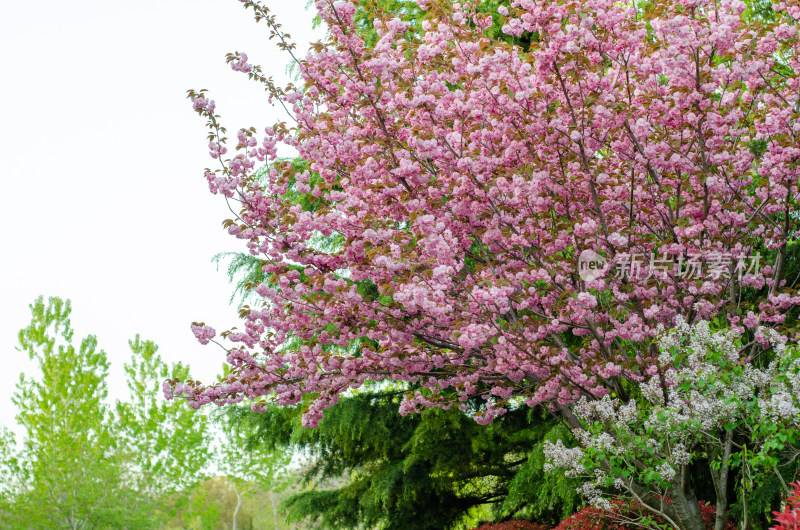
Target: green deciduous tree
<point>166,443</point>
<point>8,451</point>
<point>83,464</point>
<point>68,470</point>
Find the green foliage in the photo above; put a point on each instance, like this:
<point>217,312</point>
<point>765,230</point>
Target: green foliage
<point>421,471</point>
<point>541,496</point>
<point>760,10</point>
<point>241,459</point>
<point>202,510</point>
<point>247,472</point>
<point>765,495</point>
<point>8,448</point>
<point>407,10</point>
<point>165,443</point>
<point>368,11</point>
<point>210,505</point>
<point>243,270</point>
<point>68,472</point>
<point>82,464</point>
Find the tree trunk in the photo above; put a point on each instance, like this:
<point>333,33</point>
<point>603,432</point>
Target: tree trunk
<point>238,504</point>
<point>722,510</point>
<point>721,485</point>
<point>684,511</point>
<point>720,476</point>
<point>274,509</point>
<point>687,508</point>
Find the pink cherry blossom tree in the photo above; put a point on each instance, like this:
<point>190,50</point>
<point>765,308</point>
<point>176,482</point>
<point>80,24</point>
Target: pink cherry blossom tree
<point>512,222</point>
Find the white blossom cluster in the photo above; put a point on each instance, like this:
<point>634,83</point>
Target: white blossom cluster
<point>561,457</point>
<point>594,495</point>
<point>703,384</point>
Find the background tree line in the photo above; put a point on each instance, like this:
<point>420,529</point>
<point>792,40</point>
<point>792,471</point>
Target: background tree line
<point>140,463</point>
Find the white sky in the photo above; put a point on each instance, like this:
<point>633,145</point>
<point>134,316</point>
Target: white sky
<point>102,195</point>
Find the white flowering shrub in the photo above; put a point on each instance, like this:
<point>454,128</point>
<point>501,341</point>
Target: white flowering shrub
<point>706,396</point>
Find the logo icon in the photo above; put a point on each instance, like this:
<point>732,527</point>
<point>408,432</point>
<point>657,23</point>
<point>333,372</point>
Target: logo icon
<point>591,265</point>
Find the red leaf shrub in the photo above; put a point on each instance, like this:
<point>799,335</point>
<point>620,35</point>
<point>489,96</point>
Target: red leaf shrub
<point>627,516</point>
<point>789,519</point>
<point>512,525</point>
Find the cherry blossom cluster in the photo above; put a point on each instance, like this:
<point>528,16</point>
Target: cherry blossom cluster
<point>203,333</point>
<point>461,177</point>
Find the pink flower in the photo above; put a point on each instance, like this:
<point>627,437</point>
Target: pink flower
<point>203,333</point>
<point>455,186</point>
<point>587,300</point>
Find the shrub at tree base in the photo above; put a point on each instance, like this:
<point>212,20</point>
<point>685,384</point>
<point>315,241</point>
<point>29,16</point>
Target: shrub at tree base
<point>627,516</point>
<point>789,519</point>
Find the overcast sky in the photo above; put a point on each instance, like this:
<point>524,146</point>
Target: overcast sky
<point>103,196</point>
